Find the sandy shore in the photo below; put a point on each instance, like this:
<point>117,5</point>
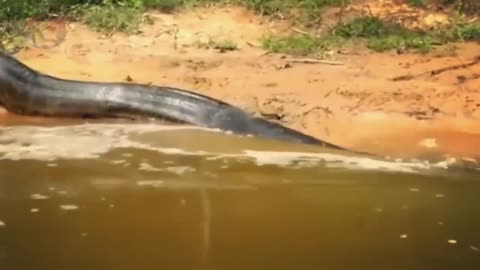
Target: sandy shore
<point>360,103</point>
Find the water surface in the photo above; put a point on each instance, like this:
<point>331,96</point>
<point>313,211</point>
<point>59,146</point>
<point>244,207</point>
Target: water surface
<point>144,196</point>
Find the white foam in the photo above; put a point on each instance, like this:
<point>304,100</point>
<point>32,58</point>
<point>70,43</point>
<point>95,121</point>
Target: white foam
<point>38,197</point>
<point>91,141</point>
<point>73,142</point>
<point>68,207</point>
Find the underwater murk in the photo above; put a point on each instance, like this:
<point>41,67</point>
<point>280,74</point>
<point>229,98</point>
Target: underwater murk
<point>145,196</point>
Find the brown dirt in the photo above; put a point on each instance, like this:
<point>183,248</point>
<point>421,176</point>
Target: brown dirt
<point>355,105</point>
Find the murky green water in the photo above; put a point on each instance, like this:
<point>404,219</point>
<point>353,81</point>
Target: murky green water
<point>150,197</point>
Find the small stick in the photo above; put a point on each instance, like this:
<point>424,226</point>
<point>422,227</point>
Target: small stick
<point>438,71</point>
<point>314,61</point>
<point>300,31</point>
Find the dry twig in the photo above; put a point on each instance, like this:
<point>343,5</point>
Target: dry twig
<point>313,61</point>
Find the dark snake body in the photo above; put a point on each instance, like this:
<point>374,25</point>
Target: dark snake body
<point>29,92</point>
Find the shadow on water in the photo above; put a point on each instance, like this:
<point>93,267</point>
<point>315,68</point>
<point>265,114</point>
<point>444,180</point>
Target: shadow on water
<point>147,197</point>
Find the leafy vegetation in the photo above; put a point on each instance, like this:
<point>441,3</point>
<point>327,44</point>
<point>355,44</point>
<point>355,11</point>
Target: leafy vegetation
<point>377,34</point>
<point>381,36</point>
<point>125,18</point>
<point>300,44</point>
<point>417,3</point>
<point>222,45</point>
<point>22,9</point>
<point>127,15</point>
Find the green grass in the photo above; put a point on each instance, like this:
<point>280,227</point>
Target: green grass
<point>113,18</point>
<point>127,15</point>
<point>464,6</point>
<point>417,3</point>
<point>299,44</point>
<point>270,7</point>
<point>222,45</point>
<point>225,45</point>
<point>163,5</point>
<point>466,32</point>
<point>381,36</point>
<point>378,36</point>
<point>111,15</point>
